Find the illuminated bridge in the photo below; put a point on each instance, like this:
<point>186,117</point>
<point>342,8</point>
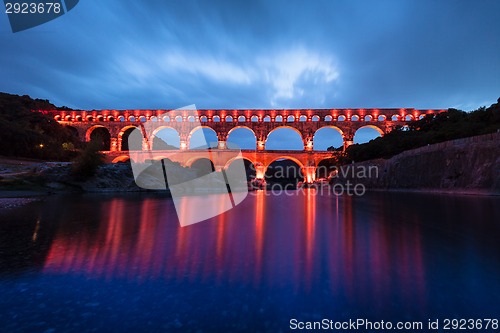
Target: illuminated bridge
<point>116,125</point>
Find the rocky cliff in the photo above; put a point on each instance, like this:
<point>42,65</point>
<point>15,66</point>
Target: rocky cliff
<point>465,165</point>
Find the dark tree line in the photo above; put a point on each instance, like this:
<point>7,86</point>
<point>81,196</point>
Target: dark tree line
<point>450,125</point>
<point>24,133</point>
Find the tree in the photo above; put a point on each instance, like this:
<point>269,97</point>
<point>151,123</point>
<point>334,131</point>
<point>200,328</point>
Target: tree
<point>86,164</point>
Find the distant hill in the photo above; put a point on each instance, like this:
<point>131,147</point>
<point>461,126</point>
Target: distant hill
<point>24,133</point>
<point>450,125</point>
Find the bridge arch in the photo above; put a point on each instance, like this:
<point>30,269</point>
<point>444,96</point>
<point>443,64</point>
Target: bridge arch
<point>202,128</point>
<point>290,174</point>
<point>285,157</point>
<point>241,127</point>
<point>89,131</point>
<point>361,136</point>
<point>203,165</point>
<point>101,135</point>
<point>230,161</point>
<point>250,168</point>
<point>189,162</point>
<point>280,128</point>
<point>378,129</point>
<point>325,166</point>
<point>121,159</point>
<point>174,135</point>
<point>123,137</point>
<point>247,130</point>
<point>322,131</point>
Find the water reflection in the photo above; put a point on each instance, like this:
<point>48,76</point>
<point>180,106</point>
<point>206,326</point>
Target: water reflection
<point>404,255</point>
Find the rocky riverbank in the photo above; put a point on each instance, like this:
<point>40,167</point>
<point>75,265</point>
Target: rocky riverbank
<point>470,165</point>
<point>24,181</point>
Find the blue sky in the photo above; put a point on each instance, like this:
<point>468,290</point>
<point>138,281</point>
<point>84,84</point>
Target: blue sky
<point>121,54</point>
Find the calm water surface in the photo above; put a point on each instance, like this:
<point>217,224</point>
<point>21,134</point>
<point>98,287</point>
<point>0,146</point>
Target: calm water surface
<point>115,264</point>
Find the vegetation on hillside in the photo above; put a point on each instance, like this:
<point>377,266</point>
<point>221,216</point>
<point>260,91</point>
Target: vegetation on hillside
<point>24,133</point>
<point>86,164</point>
<point>450,125</point>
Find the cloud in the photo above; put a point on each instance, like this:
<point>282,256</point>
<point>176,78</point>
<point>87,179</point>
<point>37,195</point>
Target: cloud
<point>262,54</point>
<point>217,70</point>
<point>280,76</point>
<point>286,71</point>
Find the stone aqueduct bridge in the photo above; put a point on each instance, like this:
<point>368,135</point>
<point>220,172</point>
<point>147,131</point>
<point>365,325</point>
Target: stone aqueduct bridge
<point>119,124</point>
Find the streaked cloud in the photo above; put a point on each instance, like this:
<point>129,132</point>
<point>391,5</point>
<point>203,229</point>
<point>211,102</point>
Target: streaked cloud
<point>259,54</point>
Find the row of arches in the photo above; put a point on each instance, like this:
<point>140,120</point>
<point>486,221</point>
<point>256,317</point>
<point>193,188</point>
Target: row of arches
<point>241,118</point>
<point>283,169</point>
<point>242,137</point>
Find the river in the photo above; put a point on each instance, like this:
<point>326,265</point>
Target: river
<point>79,263</point>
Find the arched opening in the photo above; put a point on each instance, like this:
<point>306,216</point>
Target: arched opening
<point>368,118</point>
<point>303,118</point>
<point>242,138</point>
<point>128,142</point>
<point>328,118</point>
<point>178,119</point>
<point>203,138</point>
<point>131,118</point>
<point>232,169</point>
<point>267,119</point>
<point>191,119</point>
<point>278,119</point>
<point>381,118</point>
<point>242,119</point>
<point>216,119</point>
<point>166,138</point>
<point>229,119</point>
<point>254,119</point>
<point>315,118</point>
<point>326,167</point>
<point>290,119</point>
<point>90,118</point>
<point>100,118</point>
<point>203,166</point>
<point>341,118</point>
<point>367,133</point>
<point>284,171</point>
<point>408,117</point>
<point>395,118</point>
<point>328,138</point>
<point>203,119</point>
<point>284,138</point>
<point>57,118</point>
<point>154,119</point>
<point>355,118</point>
<point>100,136</point>
<point>79,118</point>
